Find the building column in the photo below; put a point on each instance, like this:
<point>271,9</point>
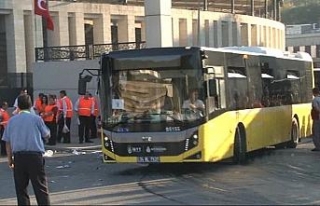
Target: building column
<point>313,51</point>
<point>238,33</point>
<point>230,34</point>
<point>143,31</point>
<point>38,33</point>
<point>258,34</point>
<point>302,48</point>
<point>219,33</point>
<point>183,33</point>
<point>15,35</point>
<point>262,37</point>
<point>211,33</point>
<point>266,36</point>
<point>76,29</point>
<point>290,49</point>
<point>202,30</point>
<point>101,29</point>
<point>60,35</point>
<point>249,34</point>
<point>126,28</point>
<point>158,23</point>
<point>282,40</point>
<point>270,38</point>
<point>244,34</point>
<point>254,35</point>
<point>175,31</point>
<point>277,40</point>
<point>29,40</point>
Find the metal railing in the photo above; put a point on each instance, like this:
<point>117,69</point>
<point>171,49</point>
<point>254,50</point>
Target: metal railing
<point>71,53</point>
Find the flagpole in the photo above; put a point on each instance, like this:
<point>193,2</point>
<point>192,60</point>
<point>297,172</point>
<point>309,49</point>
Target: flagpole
<point>45,35</point>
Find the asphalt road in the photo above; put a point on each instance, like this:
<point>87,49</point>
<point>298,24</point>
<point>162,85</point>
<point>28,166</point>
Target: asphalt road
<point>288,176</point>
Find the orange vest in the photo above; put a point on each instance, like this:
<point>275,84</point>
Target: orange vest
<point>4,116</point>
<point>49,109</point>
<point>38,105</point>
<point>69,106</point>
<point>96,107</point>
<point>85,106</point>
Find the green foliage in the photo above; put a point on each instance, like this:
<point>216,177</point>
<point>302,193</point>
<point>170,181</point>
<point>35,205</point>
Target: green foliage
<point>301,12</point>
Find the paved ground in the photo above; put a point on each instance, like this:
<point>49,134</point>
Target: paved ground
<point>96,145</point>
<point>271,177</point>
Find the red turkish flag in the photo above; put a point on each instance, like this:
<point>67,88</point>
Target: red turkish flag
<point>41,8</point>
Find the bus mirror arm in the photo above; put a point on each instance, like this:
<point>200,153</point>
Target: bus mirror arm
<point>82,81</point>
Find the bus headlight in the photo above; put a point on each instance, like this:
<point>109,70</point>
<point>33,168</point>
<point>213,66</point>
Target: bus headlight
<point>107,142</point>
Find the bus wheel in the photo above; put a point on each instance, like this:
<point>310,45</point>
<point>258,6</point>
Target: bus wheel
<point>294,134</point>
<point>240,148</point>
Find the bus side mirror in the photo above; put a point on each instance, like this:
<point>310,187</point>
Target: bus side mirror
<point>82,84</point>
<point>213,88</point>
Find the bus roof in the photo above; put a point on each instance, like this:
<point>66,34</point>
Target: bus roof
<point>263,51</point>
<point>255,51</point>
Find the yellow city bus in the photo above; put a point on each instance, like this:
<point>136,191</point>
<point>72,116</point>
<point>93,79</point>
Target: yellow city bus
<point>253,97</point>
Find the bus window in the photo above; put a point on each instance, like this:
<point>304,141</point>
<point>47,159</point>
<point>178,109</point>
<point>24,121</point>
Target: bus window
<point>316,72</point>
<point>267,77</point>
<point>216,98</point>
<point>238,88</point>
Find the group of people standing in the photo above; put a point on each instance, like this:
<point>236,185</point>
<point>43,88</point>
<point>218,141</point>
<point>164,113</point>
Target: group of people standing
<point>58,112</point>
<point>30,126</point>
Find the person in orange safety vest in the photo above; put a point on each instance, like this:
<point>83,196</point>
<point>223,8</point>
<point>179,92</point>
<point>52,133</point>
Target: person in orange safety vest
<point>4,118</point>
<point>64,115</point>
<point>38,104</point>
<point>84,107</point>
<point>49,117</point>
<point>93,128</point>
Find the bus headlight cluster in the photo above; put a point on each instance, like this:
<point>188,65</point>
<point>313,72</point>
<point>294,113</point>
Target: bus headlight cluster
<point>107,142</point>
<point>192,141</point>
<point>195,139</point>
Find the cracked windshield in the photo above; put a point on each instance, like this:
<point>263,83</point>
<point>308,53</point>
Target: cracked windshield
<point>156,96</point>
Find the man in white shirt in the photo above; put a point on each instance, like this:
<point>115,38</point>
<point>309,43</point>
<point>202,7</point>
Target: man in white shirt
<point>195,105</point>
<point>316,122</point>
<point>193,102</point>
<point>15,105</point>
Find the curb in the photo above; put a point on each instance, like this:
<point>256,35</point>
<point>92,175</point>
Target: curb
<point>63,148</point>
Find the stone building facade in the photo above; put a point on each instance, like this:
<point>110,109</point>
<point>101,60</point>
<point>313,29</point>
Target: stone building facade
<point>85,23</point>
<point>305,38</point>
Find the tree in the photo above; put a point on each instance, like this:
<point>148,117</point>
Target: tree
<point>302,12</point>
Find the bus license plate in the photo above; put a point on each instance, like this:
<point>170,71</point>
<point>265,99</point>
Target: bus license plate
<point>148,159</point>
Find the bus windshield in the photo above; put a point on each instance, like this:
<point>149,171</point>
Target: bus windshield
<point>155,95</point>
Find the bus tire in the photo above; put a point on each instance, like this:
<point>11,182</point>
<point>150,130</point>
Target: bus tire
<point>240,147</point>
<point>294,134</point>
<point>281,145</point>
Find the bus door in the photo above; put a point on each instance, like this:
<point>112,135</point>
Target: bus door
<point>277,114</point>
<point>241,96</point>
